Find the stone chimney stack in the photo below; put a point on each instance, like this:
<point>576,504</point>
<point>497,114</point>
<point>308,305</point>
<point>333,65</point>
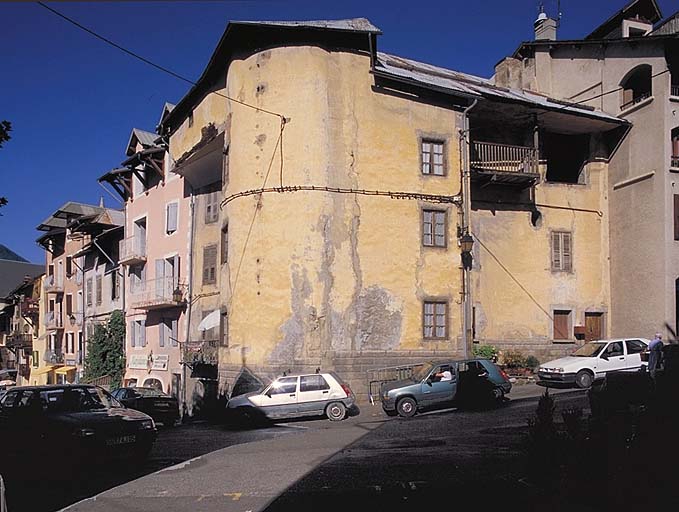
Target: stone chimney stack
<point>545,28</point>
<point>508,73</point>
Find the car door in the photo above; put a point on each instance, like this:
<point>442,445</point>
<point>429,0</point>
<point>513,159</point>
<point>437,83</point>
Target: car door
<point>634,349</point>
<point>435,391</point>
<point>280,400</point>
<point>313,395</point>
<point>612,358</point>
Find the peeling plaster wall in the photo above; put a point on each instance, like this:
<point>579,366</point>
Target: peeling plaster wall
<point>318,274</point>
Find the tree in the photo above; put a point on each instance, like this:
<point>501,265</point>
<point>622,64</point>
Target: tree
<point>106,351</point>
<point>5,128</point>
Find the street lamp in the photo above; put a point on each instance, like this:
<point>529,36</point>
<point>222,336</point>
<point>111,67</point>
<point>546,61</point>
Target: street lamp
<point>177,295</point>
<point>466,245</point>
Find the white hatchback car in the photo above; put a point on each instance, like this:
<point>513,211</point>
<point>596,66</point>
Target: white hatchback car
<point>293,396</point>
<point>593,361</point>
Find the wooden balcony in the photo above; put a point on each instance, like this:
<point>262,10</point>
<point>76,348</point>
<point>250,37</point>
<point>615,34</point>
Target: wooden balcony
<point>157,294</point>
<point>493,163</point>
<point>132,250</point>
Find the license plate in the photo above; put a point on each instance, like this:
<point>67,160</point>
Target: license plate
<point>546,377</point>
<point>162,406</point>
<point>115,441</point>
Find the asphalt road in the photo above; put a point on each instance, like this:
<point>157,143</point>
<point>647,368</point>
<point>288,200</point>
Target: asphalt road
<point>370,461</point>
<point>56,488</point>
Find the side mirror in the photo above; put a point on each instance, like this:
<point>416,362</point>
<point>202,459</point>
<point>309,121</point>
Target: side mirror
<point>483,375</point>
<point>604,356</point>
<point>268,393</point>
<point>429,381</point>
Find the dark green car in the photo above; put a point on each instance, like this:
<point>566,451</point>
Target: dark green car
<point>444,383</point>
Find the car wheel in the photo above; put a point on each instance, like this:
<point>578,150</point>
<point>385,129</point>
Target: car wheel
<point>406,407</point>
<point>584,379</point>
<point>498,395</point>
<point>336,411</point>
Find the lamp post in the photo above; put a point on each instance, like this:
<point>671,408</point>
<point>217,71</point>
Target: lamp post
<point>466,246</point>
<point>177,295</point>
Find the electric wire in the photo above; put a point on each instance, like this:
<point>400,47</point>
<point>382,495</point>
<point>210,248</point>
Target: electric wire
<point>149,62</point>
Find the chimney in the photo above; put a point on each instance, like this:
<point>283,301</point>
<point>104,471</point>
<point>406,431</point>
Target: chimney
<point>545,28</point>
<point>509,73</point>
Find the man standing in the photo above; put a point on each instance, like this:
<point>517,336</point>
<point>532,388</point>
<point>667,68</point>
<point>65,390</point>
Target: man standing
<point>655,354</point>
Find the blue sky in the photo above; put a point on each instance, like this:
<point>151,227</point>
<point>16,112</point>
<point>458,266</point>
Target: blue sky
<point>73,100</point>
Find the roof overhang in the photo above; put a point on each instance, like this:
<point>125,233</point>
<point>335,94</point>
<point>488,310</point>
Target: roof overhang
<point>202,166</point>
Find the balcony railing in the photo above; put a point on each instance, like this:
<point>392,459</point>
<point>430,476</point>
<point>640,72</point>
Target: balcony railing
<point>20,340</point>
<point>636,99</point>
<point>674,90</point>
<point>132,250</point>
<point>54,356</point>
<point>489,156</point>
<point>674,162</point>
<point>54,284</point>
<point>200,352</point>
<point>29,307</point>
<point>156,293</point>
<point>53,320</point>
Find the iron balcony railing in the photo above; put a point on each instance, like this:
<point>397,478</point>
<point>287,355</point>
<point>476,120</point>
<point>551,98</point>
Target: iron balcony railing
<point>54,356</point>
<point>674,162</point>
<point>674,90</point>
<point>203,351</point>
<point>489,156</point>
<point>53,320</point>
<point>54,284</point>
<point>636,99</point>
<point>156,293</point>
<point>133,250</point>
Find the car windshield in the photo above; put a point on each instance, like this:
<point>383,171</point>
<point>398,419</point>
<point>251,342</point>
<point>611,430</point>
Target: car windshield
<point>421,371</point>
<point>589,350</point>
<point>150,392</point>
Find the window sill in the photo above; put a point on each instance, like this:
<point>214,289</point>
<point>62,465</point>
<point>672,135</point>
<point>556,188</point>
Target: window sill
<point>674,98</point>
<point>636,106</point>
<point>565,342</point>
<point>674,169</point>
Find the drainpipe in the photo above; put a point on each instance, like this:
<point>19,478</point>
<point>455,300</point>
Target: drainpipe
<point>189,293</point>
<point>465,139</point>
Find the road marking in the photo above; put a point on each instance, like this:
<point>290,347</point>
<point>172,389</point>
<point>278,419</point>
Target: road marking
<point>235,496</point>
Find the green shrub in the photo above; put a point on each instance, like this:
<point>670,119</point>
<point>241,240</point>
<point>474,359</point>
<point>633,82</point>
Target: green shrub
<point>532,362</point>
<point>485,351</point>
<point>514,359</point>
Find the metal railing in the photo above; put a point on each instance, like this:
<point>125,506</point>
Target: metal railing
<point>489,156</point>
<point>674,162</point>
<point>379,376</point>
<point>19,340</point>
<point>133,248</point>
<point>53,320</point>
<point>636,99</point>
<point>203,351</point>
<point>153,293</point>
<point>54,284</point>
<point>674,90</point>
<point>54,357</point>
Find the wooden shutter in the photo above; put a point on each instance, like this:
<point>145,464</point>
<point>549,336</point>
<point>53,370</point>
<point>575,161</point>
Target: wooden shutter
<point>566,252</point>
<point>209,264</point>
<point>160,274</point>
<point>556,251</point>
<point>225,243</point>
<point>142,332</point>
<point>676,216</point>
<point>171,223</point>
<point>133,338</point>
<point>561,325</point>
<point>69,305</point>
<point>162,329</point>
<point>98,290</point>
<point>88,291</point>
<point>69,264</point>
<point>174,332</point>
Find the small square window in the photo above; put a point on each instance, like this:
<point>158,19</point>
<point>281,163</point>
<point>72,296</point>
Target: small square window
<point>433,162</point>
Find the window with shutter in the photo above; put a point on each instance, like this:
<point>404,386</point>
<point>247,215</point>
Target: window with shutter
<point>88,291</point>
<point>162,332</point>
<point>133,338</point>
<point>225,243</point>
<point>142,332</point>
<point>210,264</point>
<point>69,266</point>
<point>561,251</point>
<point>211,206</point>
<point>171,218</point>
<point>69,304</point>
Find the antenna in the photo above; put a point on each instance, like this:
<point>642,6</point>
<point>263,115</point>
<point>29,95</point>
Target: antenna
<point>558,13</point>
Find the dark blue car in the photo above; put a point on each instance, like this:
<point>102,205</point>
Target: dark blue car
<point>444,383</point>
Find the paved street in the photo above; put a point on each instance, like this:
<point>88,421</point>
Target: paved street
<point>371,458</point>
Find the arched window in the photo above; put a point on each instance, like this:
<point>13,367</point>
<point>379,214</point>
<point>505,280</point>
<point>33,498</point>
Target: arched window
<point>153,383</point>
<point>636,86</point>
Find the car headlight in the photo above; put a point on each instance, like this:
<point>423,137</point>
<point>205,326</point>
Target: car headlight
<point>84,432</point>
<point>558,370</point>
<point>147,425</point>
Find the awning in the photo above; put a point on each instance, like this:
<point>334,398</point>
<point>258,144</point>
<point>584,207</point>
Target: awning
<point>211,321</point>
<point>63,370</point>
<point>42,371</point>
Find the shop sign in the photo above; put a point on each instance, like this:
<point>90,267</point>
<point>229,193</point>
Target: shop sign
<point>138,362</point>
<point>160,362</point>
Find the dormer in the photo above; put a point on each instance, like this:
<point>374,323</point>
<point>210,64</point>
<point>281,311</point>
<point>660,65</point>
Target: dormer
<point>635,19</point>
